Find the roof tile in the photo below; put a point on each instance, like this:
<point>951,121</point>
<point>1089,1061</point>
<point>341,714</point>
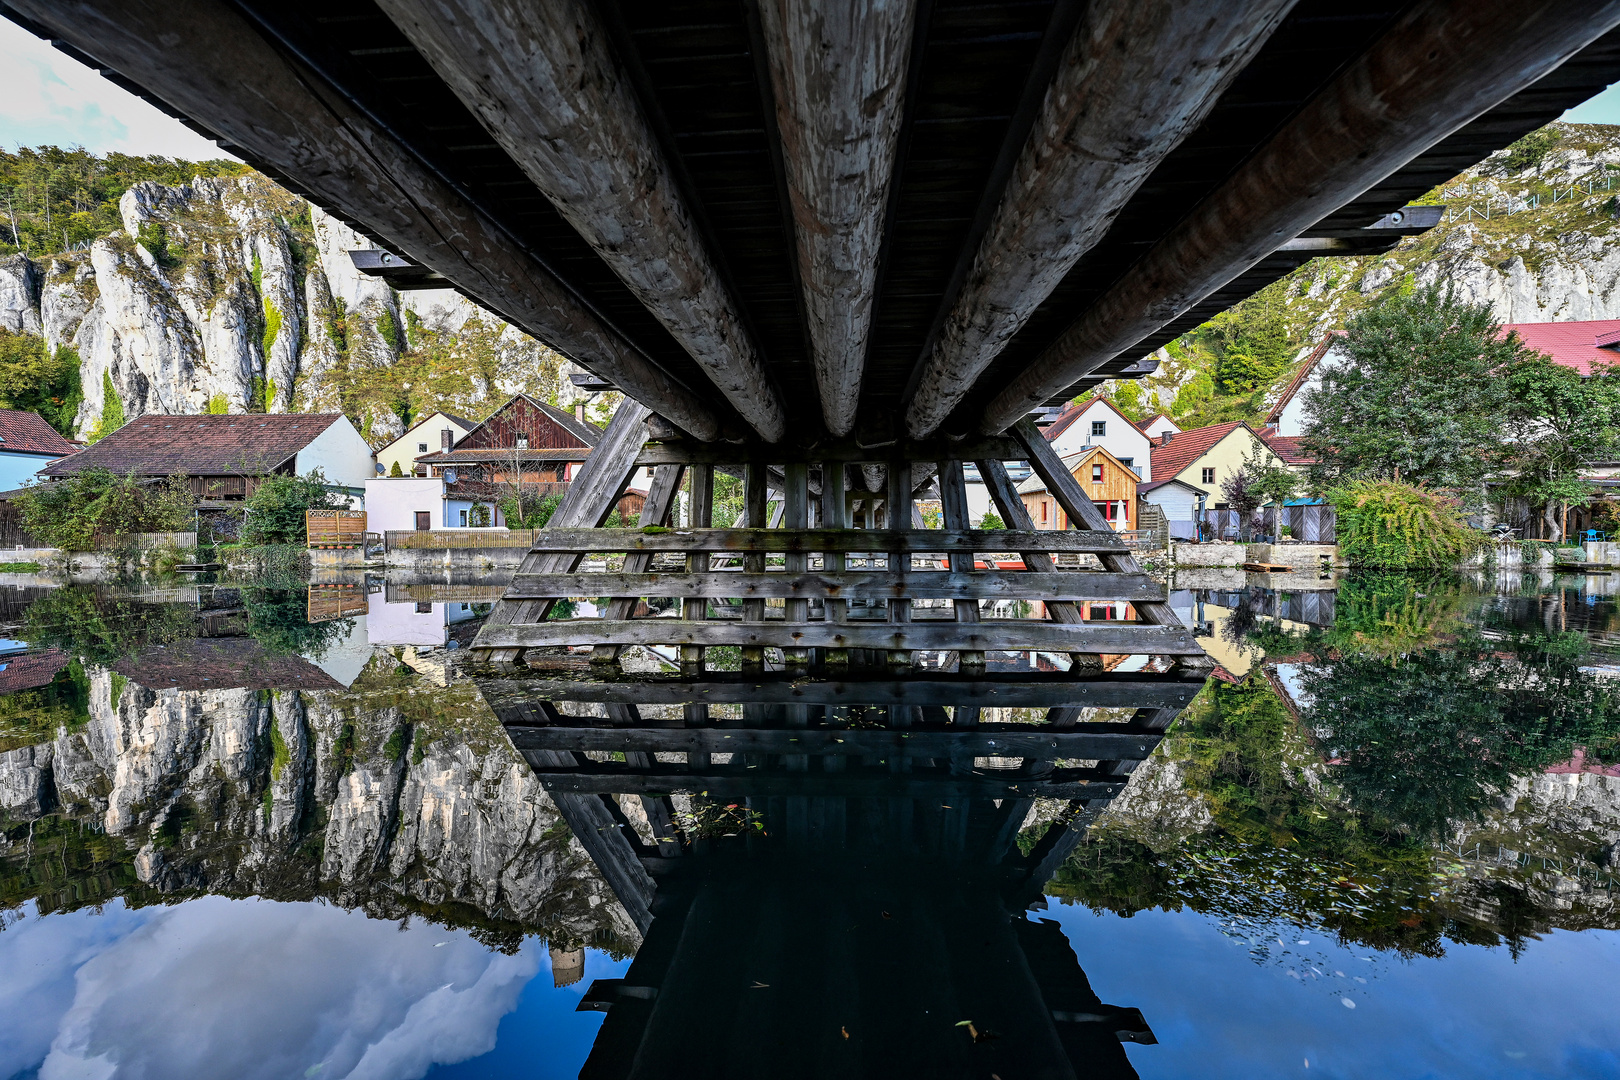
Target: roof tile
<point>207,445</point>
<point>28,433</point>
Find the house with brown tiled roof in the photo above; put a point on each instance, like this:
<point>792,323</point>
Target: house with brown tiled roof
<point>526,437</point>
<point>1207,457</point>
<point>226,456</point>
<point>27,445</point>
<point>1157,425</point>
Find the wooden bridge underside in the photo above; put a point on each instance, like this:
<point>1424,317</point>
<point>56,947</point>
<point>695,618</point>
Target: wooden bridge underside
<point>842,248</point>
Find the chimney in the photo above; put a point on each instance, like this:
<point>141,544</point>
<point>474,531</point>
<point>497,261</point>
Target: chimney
<point>1164,438</point>
<point>579,412</point>
<point>447,438</point>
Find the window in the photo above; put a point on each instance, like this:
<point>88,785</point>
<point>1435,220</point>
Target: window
<point>1129,463</point>
<point>424,607</point>
<point>1099,427</point>
<point>1043,511</point>
<point>1096,473</point>
<point>1208,476</point>
<point>424,521</point>
<point>464,519</point>
<point>421,448</point>
<point>523,442</point>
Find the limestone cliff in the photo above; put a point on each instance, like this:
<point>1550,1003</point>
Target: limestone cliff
<point>231,294</point>
<point>395,798</point>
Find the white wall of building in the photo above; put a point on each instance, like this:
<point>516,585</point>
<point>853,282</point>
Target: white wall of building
<point>340,453</point>
<point>393,503</point>
<point>1119,437</point>
<point>403,624</point>
<point>1159,426</point>
<point>1180,507</point>
<point>1292,419</point>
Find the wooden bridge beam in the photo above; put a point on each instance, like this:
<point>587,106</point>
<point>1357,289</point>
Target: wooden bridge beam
<point>204,59</point>
<point>545,83</point>
<point>1441,64</point>
<point>838,73</point>
<point>1110,116</point>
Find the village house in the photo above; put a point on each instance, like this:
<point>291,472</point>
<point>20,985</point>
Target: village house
<point>1110,483</point>
<point>27,444</point>
<point>1177,502</point>
<point>1156,425</point>
<point>1204,459</point>
<point>227,456</point>
<point>1097,422</point>
<point>525,442</point>
<point>435,431</point>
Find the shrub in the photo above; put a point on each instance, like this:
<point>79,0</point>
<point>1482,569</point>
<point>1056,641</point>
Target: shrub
<point>97,505</point>
<point>1394,526</point>
<point>275,511</point>
<point>991,520</point>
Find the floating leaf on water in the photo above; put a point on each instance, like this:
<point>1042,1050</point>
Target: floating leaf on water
<point>1347,1003</point>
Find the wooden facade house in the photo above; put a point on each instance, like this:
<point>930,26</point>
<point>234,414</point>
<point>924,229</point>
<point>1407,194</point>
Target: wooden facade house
<point>524,438</point>
<point>1109,482</point>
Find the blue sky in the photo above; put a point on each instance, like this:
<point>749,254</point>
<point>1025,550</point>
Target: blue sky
<point>52,99</point>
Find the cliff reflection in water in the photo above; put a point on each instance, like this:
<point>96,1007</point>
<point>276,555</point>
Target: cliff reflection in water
<point>831,875</point>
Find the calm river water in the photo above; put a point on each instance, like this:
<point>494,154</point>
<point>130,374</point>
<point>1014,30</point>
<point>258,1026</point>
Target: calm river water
<point>254,832</point>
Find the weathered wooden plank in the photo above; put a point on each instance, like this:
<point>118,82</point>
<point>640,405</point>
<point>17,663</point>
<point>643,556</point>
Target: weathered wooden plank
<point>700,513</point>
<point>847,451</point>
<point>1078,505</point>
<point>754,503</point>
<point>838,73</point>
<point>203,58</point>
<point>1437,66</point>
<point>588,502</point>
<point>1066,189</point>
<point>589,734</point>
<point>919,541</point>
<point>954,508</point>
<point>760,784</point>
<point>1031,690</point>
<point>999,635</point>
<point>834,515</point>
<point>1016,515</point>
<point>796,515</point>
<point>544,81</point>
<point>847,585</point>
<point>654,511</point>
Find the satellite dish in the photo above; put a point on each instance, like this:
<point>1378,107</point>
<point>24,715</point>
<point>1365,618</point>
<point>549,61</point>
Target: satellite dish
<point>449,476</point>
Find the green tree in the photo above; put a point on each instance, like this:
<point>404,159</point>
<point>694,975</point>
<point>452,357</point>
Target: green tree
<point>275,510</point>
<point>1558,424</point>
<point>97,506</point>
<point>1389,525</point>
<point>112,411</point>
<point>37,379</point>
<point>1421,397</point>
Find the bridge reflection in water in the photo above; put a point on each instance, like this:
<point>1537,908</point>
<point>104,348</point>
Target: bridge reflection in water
<point>833,876</point>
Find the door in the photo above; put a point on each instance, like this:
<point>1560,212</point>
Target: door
<point>424,521</point>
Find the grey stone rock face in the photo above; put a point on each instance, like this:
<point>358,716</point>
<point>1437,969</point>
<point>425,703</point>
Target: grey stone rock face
<point>19,294</point>
<point>25,782</point>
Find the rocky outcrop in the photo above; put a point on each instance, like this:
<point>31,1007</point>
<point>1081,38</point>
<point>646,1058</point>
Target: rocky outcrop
<point>294,794</point>
<point>231,293</point>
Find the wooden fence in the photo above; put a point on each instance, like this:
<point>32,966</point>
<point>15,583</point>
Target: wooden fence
<point>335,528</point>
<point>457,539</point>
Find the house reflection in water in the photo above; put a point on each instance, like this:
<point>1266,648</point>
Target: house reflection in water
<point>834,877</point>
<point>422,615</point>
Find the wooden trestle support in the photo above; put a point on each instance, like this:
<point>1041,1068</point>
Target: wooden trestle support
<point>840,509</point>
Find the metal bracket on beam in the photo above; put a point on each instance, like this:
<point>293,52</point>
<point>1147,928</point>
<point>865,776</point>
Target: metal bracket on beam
<point>399,272</point>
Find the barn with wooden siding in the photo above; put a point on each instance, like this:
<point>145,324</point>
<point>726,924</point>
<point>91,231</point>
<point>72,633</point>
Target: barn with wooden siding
<point>524,436</point>
<point>1110,483</point>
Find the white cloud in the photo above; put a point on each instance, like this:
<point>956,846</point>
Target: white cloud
<point>51,99</point>
<point>251,989</point>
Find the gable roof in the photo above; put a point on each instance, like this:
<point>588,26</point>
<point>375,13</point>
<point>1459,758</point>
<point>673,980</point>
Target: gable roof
<point>1148,488</point>
<point>1155,418</point>
<point>1033,485</point>
<point>1297,383</point>
<point>1074,411</point>
<point>206,445</point>
<point>27,433</point>
<point>1288,448</point>
<point>484,435</point>
<point>1572,344</point>
<point>460,421</point>
<point>1170,459</point>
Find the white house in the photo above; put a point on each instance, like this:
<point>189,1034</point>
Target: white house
<point>1287,414</point>
<point>1096,422</point>
<point>1157,425</point>
<point>1179,501</point>
<point>434,432</point>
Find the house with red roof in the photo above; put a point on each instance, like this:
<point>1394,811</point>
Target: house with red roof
<point>1207,457</point>
<point>1157,425</point>
<point>1097,421</point>
<point>27,445</point>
